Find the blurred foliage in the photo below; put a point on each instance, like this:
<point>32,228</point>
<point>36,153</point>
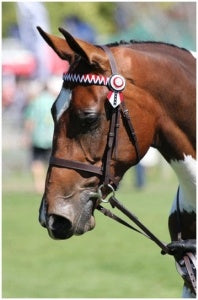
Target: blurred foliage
<point>112,21</point>
<point>99,14</point>
<point>8,16</point>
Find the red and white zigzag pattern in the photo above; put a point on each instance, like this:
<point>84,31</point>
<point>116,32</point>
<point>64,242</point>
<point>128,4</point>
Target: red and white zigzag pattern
<point>86,78</point>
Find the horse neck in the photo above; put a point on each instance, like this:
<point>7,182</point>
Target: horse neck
<point>167,82</point>
<point>176,142</point>
<point>166,76</point>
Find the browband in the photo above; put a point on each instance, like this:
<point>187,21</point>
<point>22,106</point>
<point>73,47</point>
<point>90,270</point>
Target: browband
<point>87,79</point>
<point>115,83</point>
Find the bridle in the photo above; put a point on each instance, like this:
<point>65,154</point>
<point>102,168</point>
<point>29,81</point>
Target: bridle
<point>115,84</point>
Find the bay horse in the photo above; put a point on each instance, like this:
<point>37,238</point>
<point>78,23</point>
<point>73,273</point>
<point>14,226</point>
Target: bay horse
<point>116,101</point>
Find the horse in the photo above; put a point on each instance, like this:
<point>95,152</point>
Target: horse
<point>116,102</point>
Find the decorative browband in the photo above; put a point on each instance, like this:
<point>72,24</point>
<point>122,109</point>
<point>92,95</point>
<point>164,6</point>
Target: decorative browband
<point>86,79</point>
<point>116,83</point>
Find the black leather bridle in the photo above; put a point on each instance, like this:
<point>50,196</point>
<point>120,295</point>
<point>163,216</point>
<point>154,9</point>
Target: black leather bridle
<point>115,84</point>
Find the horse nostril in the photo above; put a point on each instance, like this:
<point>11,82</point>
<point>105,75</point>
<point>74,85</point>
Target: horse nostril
<point>59,226</point>
<point>62,223</point>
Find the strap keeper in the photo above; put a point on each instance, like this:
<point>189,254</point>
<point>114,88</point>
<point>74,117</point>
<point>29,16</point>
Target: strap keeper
<point>111,134</point>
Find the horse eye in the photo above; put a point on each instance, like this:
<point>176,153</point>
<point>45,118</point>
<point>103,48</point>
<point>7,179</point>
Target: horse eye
<point>88,119</point>
<point>91,118</point>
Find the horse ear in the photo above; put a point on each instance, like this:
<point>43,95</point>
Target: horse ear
<point>69,47</point>
<point>93,54</point>
<point>58,45</point>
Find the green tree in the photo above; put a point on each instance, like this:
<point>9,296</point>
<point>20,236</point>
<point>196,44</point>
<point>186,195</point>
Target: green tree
<point>8,16</point>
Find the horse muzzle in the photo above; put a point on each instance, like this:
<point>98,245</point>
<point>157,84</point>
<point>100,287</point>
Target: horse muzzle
<point>66,220</point>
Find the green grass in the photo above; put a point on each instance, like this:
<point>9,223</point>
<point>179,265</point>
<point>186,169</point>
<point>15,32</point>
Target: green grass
<point>109,262</point>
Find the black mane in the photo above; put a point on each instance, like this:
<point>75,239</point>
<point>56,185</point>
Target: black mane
<point>134,42</point>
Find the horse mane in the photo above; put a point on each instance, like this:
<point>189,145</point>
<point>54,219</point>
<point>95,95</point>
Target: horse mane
<point>136,42</point>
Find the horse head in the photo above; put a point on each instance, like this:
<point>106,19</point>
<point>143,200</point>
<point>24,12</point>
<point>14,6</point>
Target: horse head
<point>82,120</point>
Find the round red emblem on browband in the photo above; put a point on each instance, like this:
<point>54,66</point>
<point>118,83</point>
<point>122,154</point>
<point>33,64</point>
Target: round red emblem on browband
<point>116,83</point>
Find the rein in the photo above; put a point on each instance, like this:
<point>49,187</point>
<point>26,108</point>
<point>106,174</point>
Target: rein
<point>145,231</point>
<point>185,264</point>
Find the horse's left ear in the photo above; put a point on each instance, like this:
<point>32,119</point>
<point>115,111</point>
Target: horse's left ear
<point>71,48</point>
<point>93,54</point>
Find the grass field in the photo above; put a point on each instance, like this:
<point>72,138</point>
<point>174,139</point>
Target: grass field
<point>108,262</point>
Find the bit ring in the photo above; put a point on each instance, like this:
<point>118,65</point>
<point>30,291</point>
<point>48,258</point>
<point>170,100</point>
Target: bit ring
<point>105,200</point>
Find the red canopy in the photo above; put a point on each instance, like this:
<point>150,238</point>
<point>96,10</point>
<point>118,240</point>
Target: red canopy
<point>18,61</point>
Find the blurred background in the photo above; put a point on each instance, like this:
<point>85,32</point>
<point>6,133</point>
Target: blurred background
<point>109,261</point>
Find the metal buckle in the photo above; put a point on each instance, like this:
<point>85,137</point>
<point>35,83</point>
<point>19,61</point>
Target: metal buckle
<point>105,200</point>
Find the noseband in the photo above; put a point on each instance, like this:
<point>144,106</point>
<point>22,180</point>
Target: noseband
<point>115,84</point>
